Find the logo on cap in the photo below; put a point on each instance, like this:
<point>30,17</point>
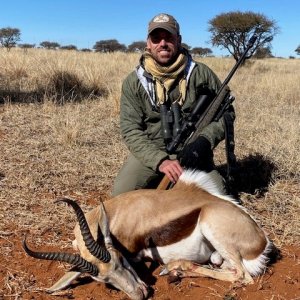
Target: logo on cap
<point>161,19</point>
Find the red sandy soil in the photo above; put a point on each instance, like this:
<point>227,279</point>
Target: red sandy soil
<point>281,281</point>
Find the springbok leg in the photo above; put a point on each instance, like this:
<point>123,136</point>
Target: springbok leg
<point>184,268</point>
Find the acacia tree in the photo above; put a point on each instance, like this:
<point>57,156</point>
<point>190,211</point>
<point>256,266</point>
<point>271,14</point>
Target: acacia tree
<point>201,51</point>
<point>50,45</point>
<point>297,50</point>
<point>233,31</point>
<point>109,46</point>
<point>68,47</point>
<point>26,46</point>
<point>138,46</point>
<point>9,37</point>
<point>186,46</point>
<point>86,50</point>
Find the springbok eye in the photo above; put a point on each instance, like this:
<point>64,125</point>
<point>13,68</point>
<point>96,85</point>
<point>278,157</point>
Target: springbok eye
<point>121,258</point>
<point>105,280</point>
<point>123,261</point>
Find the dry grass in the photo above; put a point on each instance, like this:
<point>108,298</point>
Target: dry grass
<point>75,149</point>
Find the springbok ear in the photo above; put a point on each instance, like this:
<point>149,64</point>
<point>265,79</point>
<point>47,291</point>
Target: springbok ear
<point>64,281</point>
<point>104,225</point>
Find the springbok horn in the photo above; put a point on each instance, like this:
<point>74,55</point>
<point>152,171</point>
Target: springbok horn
<point>94,248</point>
<point>74,259</point>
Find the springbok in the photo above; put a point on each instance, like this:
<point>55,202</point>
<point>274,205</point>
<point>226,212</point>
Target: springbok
<point>192,224</point>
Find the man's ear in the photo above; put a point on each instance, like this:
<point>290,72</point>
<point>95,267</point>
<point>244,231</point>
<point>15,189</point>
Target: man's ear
<point>148,43</point>
<point>179,39</point>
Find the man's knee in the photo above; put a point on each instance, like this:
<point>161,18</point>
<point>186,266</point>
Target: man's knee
<point>132,176</point>
<point>125,182</point>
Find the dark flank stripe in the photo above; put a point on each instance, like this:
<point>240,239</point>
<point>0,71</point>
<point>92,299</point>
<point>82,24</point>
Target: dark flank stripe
<point>169,233</point>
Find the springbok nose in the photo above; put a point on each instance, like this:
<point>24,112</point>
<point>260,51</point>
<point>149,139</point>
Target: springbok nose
<point>144,291</point>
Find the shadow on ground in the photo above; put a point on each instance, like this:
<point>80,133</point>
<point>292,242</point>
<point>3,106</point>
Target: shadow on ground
<point>251,175</point>
<point>61,87</point>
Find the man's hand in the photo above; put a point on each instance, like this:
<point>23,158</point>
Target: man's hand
<point>171,168</point>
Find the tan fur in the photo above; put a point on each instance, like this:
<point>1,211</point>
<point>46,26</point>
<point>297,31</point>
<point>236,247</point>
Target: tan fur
<point>135,214</point>
<point>143,203</point>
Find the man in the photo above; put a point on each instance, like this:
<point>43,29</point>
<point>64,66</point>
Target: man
<point>166,75</point>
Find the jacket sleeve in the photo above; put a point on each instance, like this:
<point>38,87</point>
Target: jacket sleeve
<point>133,128</point>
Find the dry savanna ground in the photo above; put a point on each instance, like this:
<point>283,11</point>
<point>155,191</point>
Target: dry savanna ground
<point>59,135</point>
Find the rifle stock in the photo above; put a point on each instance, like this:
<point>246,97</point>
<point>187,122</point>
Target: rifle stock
<point>164,184</point>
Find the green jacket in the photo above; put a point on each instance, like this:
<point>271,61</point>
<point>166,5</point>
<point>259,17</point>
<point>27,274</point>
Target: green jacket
<point>140,118</point>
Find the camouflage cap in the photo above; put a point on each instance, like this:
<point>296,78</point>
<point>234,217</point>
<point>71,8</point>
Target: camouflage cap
<point>164,21</point>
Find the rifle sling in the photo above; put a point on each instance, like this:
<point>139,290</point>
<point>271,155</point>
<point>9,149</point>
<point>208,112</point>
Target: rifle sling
<point>229,146</point>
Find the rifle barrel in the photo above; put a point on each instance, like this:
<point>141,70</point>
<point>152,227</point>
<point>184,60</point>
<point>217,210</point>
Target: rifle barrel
<point>239,62</point>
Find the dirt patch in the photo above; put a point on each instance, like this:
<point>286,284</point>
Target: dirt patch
<point>22,277</point>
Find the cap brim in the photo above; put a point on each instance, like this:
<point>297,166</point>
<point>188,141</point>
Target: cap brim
<point>163,26</point>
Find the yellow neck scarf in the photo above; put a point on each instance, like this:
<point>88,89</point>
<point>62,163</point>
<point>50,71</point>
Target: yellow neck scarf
<point>164,77</point>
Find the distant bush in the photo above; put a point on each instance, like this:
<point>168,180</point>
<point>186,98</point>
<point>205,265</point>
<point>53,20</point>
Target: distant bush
<point>86,50</point>
<point>49,45</point>
<point>263,52</point>
<point>109,46</point>
<point>65,86</point>
<point>138,46</point>
<point>68,47</point>
<point>26,46</point>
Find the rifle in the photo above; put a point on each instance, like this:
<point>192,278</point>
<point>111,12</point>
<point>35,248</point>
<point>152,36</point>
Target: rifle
<point>205,112</point>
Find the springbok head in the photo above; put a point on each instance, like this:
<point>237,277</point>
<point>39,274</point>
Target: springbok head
<point>99,259</point>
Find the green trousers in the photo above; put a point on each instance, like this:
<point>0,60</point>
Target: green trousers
<point>133,176</point>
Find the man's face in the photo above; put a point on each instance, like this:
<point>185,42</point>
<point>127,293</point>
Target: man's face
<point>164,46</point>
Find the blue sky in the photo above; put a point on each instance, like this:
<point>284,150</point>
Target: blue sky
<point>82,23</point>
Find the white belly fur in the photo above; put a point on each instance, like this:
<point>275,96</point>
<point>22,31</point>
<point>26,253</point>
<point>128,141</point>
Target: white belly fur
<point>194,248</point>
